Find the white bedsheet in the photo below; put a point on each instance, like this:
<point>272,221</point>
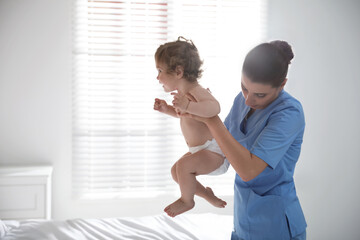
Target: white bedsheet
<point>187,226</point>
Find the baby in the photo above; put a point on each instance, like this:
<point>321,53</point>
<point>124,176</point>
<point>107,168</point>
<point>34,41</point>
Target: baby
<point>178,64</point>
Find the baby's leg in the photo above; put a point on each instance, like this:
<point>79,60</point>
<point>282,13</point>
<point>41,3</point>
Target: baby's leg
<point>213,162</point>
<point>187,168</point>
<point>201,191</point>
<point>173,169</point>
<point>208,194</point>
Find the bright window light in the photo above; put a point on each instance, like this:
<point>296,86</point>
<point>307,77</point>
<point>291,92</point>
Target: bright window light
<point>121,146</point>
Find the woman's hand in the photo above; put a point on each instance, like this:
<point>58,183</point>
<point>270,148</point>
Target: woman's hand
<point>180,102</point>
<point>189,115</point>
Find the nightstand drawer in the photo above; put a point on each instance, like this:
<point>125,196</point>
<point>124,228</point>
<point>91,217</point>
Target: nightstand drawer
<point>25,192</point>
<point>22,201</point>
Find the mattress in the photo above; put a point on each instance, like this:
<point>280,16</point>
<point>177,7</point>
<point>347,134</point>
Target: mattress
<point>206,226</point>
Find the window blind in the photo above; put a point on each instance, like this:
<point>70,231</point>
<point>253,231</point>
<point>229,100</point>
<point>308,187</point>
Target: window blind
<point>121,146</point>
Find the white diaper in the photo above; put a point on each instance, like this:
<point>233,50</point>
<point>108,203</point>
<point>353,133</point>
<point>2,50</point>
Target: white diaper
<point>211,145</point>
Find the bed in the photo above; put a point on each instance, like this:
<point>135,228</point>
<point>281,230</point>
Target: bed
<point>205,226</point>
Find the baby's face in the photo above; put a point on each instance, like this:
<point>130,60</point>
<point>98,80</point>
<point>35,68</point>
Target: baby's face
<point>168,80</point>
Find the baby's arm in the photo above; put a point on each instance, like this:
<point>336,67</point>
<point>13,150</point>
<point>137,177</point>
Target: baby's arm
<point>203,104</point>
<point>161,106</point>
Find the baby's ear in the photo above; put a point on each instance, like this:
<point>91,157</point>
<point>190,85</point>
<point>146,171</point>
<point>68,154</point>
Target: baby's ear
<point>179,71</point>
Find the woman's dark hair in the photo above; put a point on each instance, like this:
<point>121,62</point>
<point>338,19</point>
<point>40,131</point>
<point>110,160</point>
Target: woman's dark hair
<point>180,53</point>
<point>268,63</point>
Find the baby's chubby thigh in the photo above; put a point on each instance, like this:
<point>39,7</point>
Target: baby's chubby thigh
<point>199,163</point>
<point>175,166</point>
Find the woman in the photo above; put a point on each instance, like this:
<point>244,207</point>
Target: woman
<point>262,139</point>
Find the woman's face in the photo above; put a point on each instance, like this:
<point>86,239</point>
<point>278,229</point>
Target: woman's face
<point>258,95</point>
<point>168,80</point>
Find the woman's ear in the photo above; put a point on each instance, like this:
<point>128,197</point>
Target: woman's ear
<point>283,84</point>
<point>179,71</point>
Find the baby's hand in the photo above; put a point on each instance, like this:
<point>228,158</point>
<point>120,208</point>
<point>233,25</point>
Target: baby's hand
<point>180,102</point>
<point>160,105</point>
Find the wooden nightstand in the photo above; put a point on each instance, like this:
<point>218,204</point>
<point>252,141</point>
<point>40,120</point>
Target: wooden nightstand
<point>25,192</point>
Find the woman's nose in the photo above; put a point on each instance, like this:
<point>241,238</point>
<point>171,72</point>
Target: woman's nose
<point>249,100</point>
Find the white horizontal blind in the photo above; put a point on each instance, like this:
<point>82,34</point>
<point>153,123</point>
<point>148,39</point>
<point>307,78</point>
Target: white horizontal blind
<point>121,146</point>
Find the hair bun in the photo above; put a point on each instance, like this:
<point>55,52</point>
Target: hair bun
<point>285,49</point>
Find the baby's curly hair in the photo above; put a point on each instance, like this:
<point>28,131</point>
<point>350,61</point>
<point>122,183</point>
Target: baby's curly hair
<point>181,53</point>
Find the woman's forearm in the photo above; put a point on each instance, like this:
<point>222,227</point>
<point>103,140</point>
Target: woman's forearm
<point>246,165</point>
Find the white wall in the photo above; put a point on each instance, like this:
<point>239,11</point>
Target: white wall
<point>35,106</point>
<point>35,75</point>
<point>324,75</point>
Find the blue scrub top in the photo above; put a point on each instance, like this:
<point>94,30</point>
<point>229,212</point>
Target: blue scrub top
<point>267,206</point>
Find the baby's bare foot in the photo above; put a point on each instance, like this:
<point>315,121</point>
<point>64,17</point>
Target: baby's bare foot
<point>211,198</point>
<point>178,207</point>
